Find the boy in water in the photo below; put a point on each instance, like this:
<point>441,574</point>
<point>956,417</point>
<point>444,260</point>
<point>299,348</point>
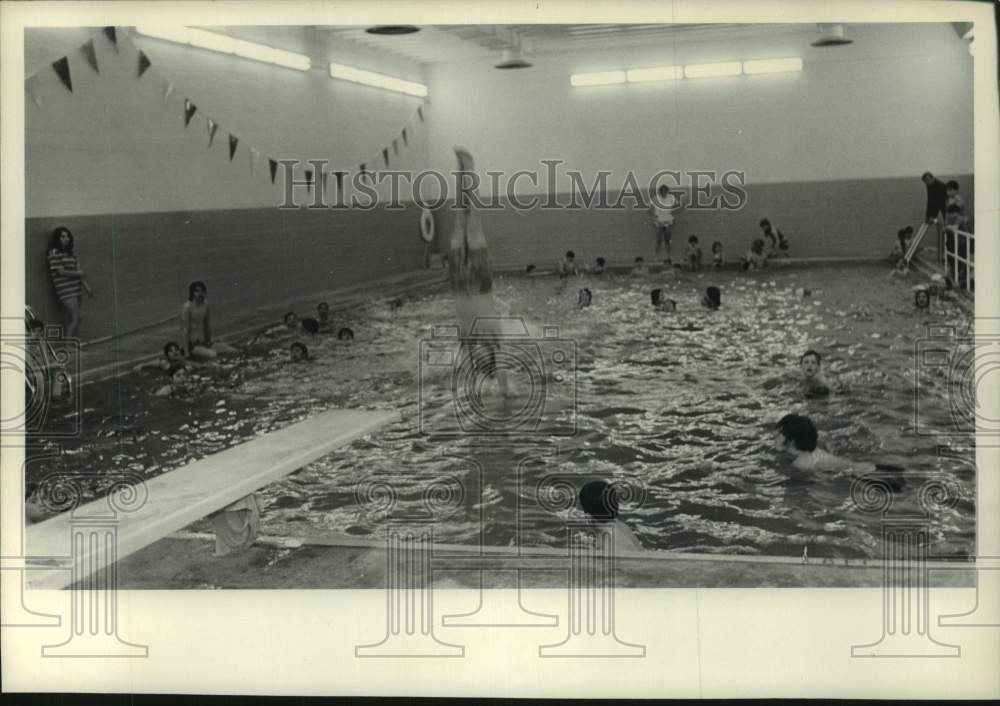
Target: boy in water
<point>171,354</point>
<point>661,302</point>
<point>599,266</point>
<point>693,253</point>
<point>813,382</point>
<point>178,385</point>
<point>640,269</point>
<point>323,314</point>
<point>568,266</point>
<point>298,352</point>
<point>584,298</point>
<point>600,502</point>
<point>712,298</point>
<point>797,435</point>
<point>345,334</point>
<point>718,259</point>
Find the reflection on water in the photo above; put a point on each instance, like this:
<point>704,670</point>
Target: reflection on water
<point>684,402</point>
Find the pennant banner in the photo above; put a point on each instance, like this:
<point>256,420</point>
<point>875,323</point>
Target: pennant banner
<point>189,110</point>
<point>385,156</point>
<point>395,147</point>
<point>420,113</point>
<point>112,34</point>
<point>405,141</point>
<point>274,168</point>
<point>168,88</point>
<point>144,63</point>
<point>213,127</point>
<point>340,181</point>
<point>31,86</point>
<point>309,179</point>
<point>254,158</point>
<point>233,141</point>
<point>61,68</point>
<point>322,182</point>
<point>90,55</point>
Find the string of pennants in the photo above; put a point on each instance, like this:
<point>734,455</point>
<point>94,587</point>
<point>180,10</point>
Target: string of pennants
<point>61,67</point>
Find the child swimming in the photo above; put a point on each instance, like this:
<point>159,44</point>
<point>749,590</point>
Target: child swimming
<point>568,266</point>
<point>797,435</point>
<point>661,302</point>
<point>712,298</point>
<point>323,314</point>
<point>756,257</point>
<point>298,352</point>
<point>171,354</point>
<point>599,501</point>
<point>718,259</point>
<point>921,297</point>
<point>178,385</point>
<point>640,269</point>
<point>599,266</point>
<point>584,298</point>
<point>813,382</point>
<point>345,334</point>
<point>693,254</point>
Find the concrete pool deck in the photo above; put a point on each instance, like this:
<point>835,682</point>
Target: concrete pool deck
<point>186,561</point>
<point>108,358</point>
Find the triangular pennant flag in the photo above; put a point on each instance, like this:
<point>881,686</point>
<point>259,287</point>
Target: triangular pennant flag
<point>405,141</point>
<point>420,113</point>
<point>322,182</point>
<point>189,110</point>
<point>233,141</point>
<point>309,179</point>
<point>144,63</point>
<point>363,170</point>
<point>213,127</point>
<point>395,147</point>
<point>61,68</point>
<point>168,88</point>
<point>274,168</point>
<point>90,55</point>
<point>340,181</point>
<point>31,86</point>
<point>254,158</point>
<point>385,155</point>
<point>112,34</point>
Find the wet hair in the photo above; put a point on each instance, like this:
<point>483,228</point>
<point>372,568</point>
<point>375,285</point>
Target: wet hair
<point>926,175</point>
<point>287,314</point>
<point>193,286</point>
<point>300,346</point>
<point>310,325</point>
<point>599,500</point>
<point>345,334</point>
<point>656,296</point>
<point>601,262</point>
<point>713,297</point>
<point>717,246</point>
<point>585,297</point>
<point>570,255</point>
<point>57,233</point>
<point>693,240</point>
<point>173,369</point>
<point>926,298</point>
<point>800,431</point>
<point>952,185</point>
<point>529,269</point>
<point>168,346</point>
<point>810,352</point>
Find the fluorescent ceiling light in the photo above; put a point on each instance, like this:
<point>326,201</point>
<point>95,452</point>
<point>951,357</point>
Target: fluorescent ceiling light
<point>600,78</point>
<point>772,66</point>
<point>369,78</point>
<point>656,73</point>
<point>726,68</point>
<point>227,45</point>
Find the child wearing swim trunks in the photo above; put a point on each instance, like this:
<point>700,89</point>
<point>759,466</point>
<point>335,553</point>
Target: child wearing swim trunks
<point>178,385</point>
<point>693,254</point>
<point>640,269</point>
<point>298,352</point>
<point>712,298</point>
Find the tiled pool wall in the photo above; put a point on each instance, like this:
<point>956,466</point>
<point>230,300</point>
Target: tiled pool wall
<point>140,264</point>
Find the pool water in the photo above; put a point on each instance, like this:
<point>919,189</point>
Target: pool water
<point>682,404</point>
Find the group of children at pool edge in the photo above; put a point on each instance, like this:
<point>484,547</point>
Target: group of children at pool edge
<point>199,347</point>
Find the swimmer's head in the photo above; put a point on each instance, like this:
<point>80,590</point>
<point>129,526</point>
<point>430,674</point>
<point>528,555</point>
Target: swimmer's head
<point>291,319</point>
<point>62,239</point>
<point>922,298</point>
<point>764,223</point>
<point>599,500</point>
<point>197,291</point>
<point>809,363</point>
<point>716,247</point>
<point>693,240</point>
<point>299,352</point>
<point>310,325</point>
<point>601,262</point>
<point>668,304</point>
<point>177,374</point>
<point>952,187</point>
<point>570,256</point>
<point>712,298</point>
<point>345,334</point>
<point>796,431</point>
<point>323,311</point>
<point>584,298</point>
<point>656,297</point>
<point>529,269</point>
<point>172,352</point>
<point>927,177</point>
<point>639,261</point>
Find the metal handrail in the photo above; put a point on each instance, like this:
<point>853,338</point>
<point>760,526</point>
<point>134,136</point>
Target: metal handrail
<point>954,256</point>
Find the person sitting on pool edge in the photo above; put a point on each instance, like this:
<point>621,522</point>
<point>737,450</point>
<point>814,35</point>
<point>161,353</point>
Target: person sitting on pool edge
<point>640,269</point>
<point>712,298</point>
<point>345,334</point>
<point>599,501</point>
<point>196,329</point>
<point>797,435</point>
<point>178,385</point>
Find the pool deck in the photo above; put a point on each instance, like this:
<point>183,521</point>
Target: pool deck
<point>107,358</point>
<point>186,561</point>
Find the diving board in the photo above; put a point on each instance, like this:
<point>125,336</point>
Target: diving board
<point>180,497</point>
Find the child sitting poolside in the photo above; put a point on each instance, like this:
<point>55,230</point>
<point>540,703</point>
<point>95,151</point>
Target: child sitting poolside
<point>693,254</point>
<point>640,269</point>
<point>599,501</point>
<point>323,314</point>
<point>718,260</point>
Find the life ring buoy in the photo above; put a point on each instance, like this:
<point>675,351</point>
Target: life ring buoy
<point>426,226</point>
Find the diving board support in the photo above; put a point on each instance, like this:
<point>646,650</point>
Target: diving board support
<point>174,500</point>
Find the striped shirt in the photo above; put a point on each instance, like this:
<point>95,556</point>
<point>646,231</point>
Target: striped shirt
<point>66,287</point>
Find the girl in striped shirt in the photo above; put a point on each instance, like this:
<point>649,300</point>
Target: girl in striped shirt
<point>67,277</point>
